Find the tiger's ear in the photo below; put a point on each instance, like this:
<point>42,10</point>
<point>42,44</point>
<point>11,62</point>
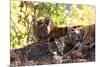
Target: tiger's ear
<point>34,21</point>
<point>50,27</point>
<point>66,29</point>
<point>47,20</point>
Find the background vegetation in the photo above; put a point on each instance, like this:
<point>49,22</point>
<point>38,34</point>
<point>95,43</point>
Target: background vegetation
<point>61,14</point>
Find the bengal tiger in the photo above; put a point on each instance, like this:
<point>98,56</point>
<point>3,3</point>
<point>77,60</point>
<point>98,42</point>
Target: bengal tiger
<point>47,31</point>
<point>39,29</point>
<point>87,34</point>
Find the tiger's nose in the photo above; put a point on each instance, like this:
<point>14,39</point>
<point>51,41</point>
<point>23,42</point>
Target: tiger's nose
<point>43,33</point>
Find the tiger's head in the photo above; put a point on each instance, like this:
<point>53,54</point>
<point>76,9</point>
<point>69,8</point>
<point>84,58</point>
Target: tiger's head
<point>40,28</point>
<point>73,35</point>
